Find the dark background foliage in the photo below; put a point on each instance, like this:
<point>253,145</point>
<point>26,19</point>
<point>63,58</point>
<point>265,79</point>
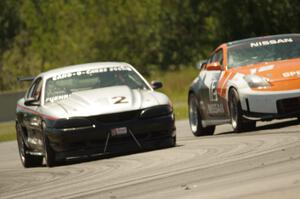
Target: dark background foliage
<point>39,35</point>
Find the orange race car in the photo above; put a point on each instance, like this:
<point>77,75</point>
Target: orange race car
<point>245,81</point>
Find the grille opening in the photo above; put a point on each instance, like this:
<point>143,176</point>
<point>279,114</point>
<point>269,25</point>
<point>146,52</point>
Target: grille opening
<point>287,106</point>
<point>117,117</point>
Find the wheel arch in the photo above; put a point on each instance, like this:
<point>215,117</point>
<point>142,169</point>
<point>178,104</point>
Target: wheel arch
<point>228,92</point>
<point>200,111</point>
<point>192,92</point>
<point>24,133</point>
<point>229,89</point>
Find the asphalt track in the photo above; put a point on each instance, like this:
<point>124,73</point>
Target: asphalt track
<point>261,164</point>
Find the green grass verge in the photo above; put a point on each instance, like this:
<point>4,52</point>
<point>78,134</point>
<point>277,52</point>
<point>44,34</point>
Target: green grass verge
<point>176,85</point>
<point>7,131</point>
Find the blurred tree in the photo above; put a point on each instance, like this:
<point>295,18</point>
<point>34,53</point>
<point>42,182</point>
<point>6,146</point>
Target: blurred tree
<point>250,18</point>
<point>187,30</point>
<point>150,34</point>
<point>132,32</point>
<point>10,25</point>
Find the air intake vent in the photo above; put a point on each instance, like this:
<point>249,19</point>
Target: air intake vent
<point>117,117</point>
<point>287,106</point>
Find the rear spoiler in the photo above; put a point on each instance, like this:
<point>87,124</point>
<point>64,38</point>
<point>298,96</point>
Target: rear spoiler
<point>25,79</point>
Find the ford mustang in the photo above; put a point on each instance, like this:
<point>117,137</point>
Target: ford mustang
<point>91,109</point>
<point>245,81</point>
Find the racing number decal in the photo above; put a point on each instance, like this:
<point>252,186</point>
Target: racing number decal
<point>214,107</point>
<point>119,100</point>
<point>213,94</point>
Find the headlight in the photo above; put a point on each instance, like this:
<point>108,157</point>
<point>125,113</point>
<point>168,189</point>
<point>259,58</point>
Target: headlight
<point>255,81</point>
<point>73,124</point>
<point>156,111</point>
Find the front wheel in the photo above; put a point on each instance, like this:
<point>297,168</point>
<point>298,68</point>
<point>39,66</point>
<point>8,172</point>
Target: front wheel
<point>172,142</point>
<point>27,159</point>
<point>195,119</point>
<point>49,154</point>
<point>238,123</point>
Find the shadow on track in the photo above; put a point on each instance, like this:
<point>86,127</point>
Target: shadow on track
<point>95,157</point>
<point>271,126</point>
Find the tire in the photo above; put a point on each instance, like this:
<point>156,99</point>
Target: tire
<point>49,154</point>
<point>27,160</point>
<point>195,119</point>
<point>238,123</point>
<point>172,142</point>
<point>165,143</point>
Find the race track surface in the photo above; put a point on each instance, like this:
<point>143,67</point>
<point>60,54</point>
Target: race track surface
<point>260,164</point>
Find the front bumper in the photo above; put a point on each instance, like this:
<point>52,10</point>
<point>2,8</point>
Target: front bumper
<point>81,141</point>
<point>270,105</point>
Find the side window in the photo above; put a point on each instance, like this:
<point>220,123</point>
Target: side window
<point>214,57</point>
<point>218,57</point>
<point>35,89</point>
<point>213,94</point>
<point>210,59</point>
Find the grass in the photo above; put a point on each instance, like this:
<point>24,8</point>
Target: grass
<point>176,85</point>
<point>7,131</point>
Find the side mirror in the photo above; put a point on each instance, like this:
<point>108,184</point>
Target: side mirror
<point>32,102</point>
<point>213,66</point>
<point>156,84</point>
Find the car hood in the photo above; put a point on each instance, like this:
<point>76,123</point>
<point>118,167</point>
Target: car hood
<point>105,101</point>
<point>275,71</point>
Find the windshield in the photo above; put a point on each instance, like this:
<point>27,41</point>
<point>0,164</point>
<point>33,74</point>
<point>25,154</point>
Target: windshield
<point>59,87</point>
<point>263,50</point>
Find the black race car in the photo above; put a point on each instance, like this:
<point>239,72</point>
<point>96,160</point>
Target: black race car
<point>89,109</point>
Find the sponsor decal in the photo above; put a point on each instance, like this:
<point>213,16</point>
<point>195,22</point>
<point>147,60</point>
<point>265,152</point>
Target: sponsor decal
<point>291,74</point>
<point>57,98</point>
<point>266,68</point>
<point>215,108</point>
<point>90,72</point>
<point>270,42</point>
<point>253,71</point>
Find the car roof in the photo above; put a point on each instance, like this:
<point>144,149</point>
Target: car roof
<point>77,67</point>
<point>253,39</point>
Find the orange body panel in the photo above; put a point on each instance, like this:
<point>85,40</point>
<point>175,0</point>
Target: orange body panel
<point>283,75</point>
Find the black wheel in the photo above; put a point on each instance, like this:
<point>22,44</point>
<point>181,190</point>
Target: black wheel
<point>172,142</point>
<point>195,119</point>
<point>238,123</point>
<point>49,154</point>
<point>26,159</point>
